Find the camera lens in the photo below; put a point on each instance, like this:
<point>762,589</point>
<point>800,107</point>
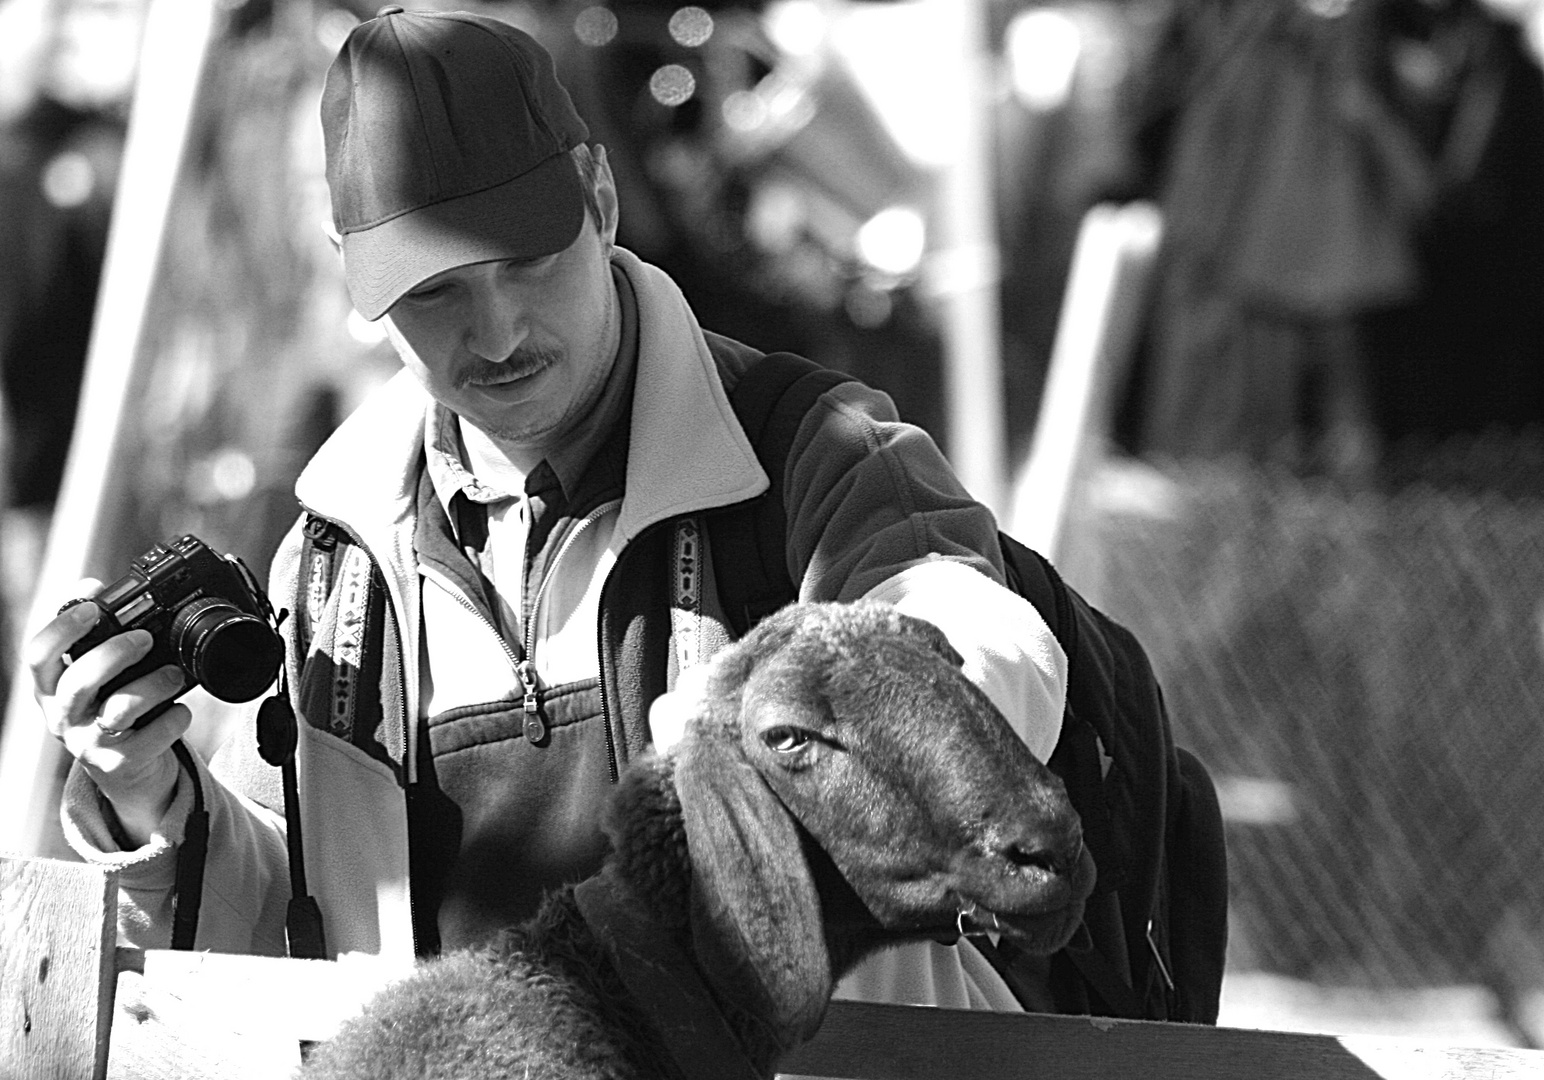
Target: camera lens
<point>234,655</point>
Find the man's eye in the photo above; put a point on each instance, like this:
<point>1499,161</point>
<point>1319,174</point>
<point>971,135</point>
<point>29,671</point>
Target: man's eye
<point>428,293</point>
<point>539,262</point>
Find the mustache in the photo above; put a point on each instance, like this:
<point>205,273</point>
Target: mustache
<point>519,364</point>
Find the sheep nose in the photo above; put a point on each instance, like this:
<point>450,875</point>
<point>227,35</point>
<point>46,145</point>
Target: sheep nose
<point>1055,855</point>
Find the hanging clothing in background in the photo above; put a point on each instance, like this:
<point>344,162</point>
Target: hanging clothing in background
<point>1306,148</point>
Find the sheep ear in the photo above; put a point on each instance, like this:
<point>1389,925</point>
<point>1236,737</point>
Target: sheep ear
<point>756,921</point>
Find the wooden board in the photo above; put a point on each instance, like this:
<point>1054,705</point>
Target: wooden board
<point>215,1016</point>
<point>890,1042</point>
<point>57,924</point>
<point>211,1016</point>
<point>241,1017</point>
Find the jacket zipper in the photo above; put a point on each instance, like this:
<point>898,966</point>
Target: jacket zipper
<point>525,668</point>
<point>522,658</point>
<point>568,541</point>
<point>519,662</point>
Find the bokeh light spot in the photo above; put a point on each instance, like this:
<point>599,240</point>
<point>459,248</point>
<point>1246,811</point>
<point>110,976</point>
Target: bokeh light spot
<point>744,111</point>
<point>596,26</point>
<point>68,179</point>
<point>892,240</point>
<point>1327,9</point>
<point>1043,47</point>
<point>797,27</point>
<point>672,85</point>
<point>691,27</point>
<point>332,28</point>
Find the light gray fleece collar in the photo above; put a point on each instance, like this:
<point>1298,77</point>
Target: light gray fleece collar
<point>687,451</point>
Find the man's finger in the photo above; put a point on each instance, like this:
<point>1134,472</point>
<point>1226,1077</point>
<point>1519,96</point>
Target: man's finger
<point>130,703</point>
<point>78,691</point>
<point>44,654</point>
<point>112,752</point>
<point>128,768</point>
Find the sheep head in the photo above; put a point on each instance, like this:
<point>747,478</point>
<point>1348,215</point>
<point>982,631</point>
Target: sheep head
<point>852,725</point>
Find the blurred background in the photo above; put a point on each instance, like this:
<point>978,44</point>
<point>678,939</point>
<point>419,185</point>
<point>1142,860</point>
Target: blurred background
<point>1307,467</point>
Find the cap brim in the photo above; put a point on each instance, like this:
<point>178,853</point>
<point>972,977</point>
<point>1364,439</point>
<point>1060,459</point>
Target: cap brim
<point>538,213</point>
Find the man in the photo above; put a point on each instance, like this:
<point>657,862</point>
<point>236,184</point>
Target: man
<point>511,498</point>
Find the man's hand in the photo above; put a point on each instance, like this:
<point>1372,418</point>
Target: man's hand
<point>135,769</point>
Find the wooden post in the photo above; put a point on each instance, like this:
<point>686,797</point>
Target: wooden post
<point>58,922</point>
<point>1100,316</point>
<point>963,272</point>
<point>176,40</point>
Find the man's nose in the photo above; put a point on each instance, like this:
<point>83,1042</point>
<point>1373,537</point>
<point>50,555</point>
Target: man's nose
<point>497,323</point>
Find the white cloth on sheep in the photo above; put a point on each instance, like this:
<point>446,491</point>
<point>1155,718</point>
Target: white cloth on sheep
<point>1007,648</point>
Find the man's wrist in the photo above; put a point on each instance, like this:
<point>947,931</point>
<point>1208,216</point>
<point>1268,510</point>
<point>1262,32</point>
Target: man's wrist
<point>115,827</point>
<point>135,821</point>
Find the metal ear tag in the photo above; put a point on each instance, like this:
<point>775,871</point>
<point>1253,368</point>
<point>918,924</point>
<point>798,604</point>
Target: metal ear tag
<point>972,913</point>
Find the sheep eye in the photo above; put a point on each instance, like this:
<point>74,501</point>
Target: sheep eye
<point>785,740</point>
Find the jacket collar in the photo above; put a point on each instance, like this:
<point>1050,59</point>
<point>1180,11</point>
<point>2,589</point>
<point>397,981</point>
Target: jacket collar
<point>687,452</point>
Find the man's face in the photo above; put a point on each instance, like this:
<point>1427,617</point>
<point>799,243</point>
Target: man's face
<point>519,349</point>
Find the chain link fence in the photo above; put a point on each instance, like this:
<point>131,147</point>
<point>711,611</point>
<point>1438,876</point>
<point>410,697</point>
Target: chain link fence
<point>1362,669</point>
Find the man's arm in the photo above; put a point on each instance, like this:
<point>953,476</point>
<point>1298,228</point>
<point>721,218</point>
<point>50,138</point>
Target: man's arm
<point>245,883</point>
<point>875,511</point>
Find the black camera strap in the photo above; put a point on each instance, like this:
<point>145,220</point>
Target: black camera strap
<point>191,856</point>
<point>278,735</point>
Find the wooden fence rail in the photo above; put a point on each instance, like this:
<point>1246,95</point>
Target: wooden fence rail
<point>72,1006</point>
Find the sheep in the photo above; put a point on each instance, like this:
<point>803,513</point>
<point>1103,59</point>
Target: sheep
<point>843,788</point>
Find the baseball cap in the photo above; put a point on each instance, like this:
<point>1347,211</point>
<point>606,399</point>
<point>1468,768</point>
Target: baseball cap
<point>447,138</point>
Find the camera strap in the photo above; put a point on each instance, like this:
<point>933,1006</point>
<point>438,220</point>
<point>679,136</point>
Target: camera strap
<point>278,734</point>
<point>191,855</point>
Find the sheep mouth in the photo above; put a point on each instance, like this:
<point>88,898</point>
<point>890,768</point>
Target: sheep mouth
<point>1043,927</point>
<point>975,918</point>
<point>1041,932</point>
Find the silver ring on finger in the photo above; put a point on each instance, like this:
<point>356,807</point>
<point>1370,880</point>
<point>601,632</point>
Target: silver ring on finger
<point>111,733</point>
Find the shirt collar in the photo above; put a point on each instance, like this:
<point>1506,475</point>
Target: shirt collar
<point>449,466</point>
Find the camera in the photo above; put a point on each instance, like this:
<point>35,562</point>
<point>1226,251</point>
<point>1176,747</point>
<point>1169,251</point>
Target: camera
<point>206,613</point>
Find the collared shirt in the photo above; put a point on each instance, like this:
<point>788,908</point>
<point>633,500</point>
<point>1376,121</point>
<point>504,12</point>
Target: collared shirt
<point>482,821</point>
<point>504,520</point>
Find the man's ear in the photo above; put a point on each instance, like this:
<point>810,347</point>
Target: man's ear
<point>605,195</point>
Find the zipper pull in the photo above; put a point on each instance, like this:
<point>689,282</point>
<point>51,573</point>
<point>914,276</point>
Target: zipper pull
<point>535,727</point>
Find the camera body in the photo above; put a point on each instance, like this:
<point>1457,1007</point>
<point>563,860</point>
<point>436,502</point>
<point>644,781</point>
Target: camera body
<point>206,613</point>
